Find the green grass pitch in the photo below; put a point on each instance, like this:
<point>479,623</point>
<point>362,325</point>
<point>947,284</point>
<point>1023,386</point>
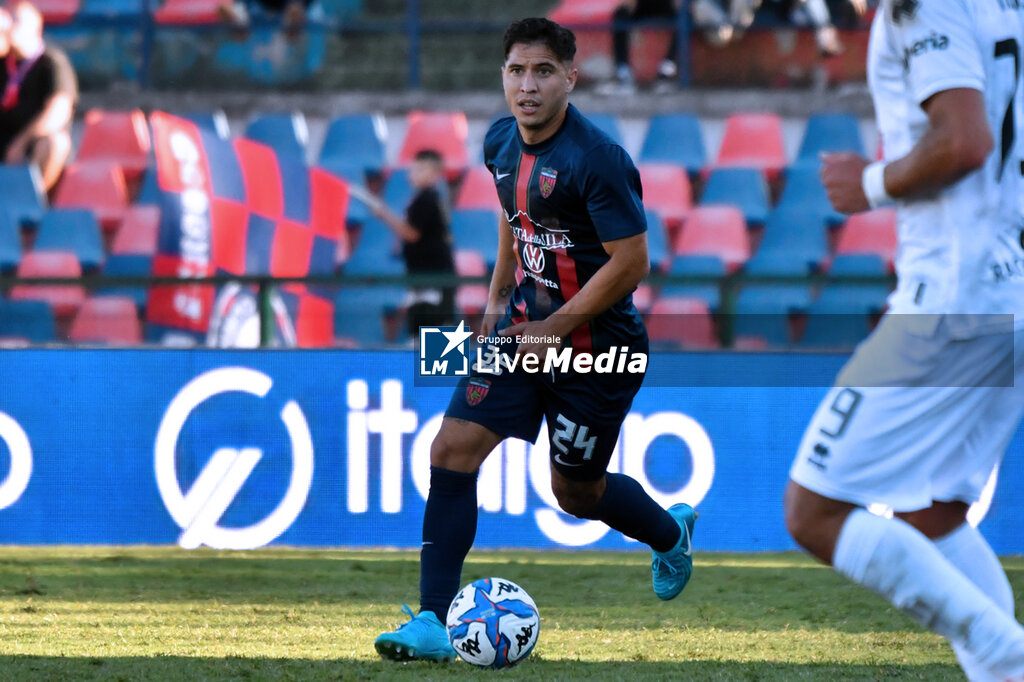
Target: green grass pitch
<point>161,613</point>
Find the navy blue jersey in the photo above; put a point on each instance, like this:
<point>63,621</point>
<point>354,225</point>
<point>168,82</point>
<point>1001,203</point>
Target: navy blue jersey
<point>563,198</point>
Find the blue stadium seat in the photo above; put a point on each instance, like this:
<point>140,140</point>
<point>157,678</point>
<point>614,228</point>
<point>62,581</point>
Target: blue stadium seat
<point>27,319</point>
<point>870,264</point>
<point>744,188</point>
<point>697,266</point>
<point>841,317</point>
<point>360,312</point>
<point>10,241</point>
<point>22,194</point>
<point>608,123</point>
<point>110,9</point>
<point>287,134</point>
<point>804,191</point>
<point>72,229</point>
<point>657,241</point>
<point>358,139</point>
<point>831,132</point>
<point>376,252</point>
<point>675,138</point>
<point>794,243</point>
<point>763,310</point>
<point>213,122</point>
<point>125,265</point>
<point>476,229</point>
<point>149,191</point>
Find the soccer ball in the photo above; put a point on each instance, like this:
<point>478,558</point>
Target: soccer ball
<point>493,623</point>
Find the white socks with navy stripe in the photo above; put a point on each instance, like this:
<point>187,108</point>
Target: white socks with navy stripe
<point>893,559</point>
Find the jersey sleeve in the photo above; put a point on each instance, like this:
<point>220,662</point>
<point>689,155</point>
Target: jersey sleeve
<point>611,189</point>
<point>938,44</point>
<point>498,131</point>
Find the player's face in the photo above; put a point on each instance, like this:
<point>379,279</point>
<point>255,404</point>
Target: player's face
<point>537,86</point>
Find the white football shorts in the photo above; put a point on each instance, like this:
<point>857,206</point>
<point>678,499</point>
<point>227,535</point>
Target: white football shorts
<point>915,416</point>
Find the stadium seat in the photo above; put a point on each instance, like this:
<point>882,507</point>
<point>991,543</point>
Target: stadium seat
<point>285,133</point>
<point>57,11</point>
<point>107,319</point>
<point>609,125</point>
<point>22,196</point>
<point>64,298</point>
<point>642,297</point>
<point>753,141</point>
<point>10,242</point>
<point>188,12</point>
<point>831,132</point>
<point>803,190</point>
<point>744,188</point>
<point>708,269</point>
<point>128,265</point>
<point>98,186</point>
<point>858,264</point>
<point>75,230</point>
<point>470,299</point>
<point>360,314</point>
<point>118,136</point>
<point>870,232</point>
<point>762,311</point>
<point>110,9</point>
<point>29,320</point>
<point>477,190</point>
<point>657,241</point>
<point>444,132</point>
<point>139,231</point>
<point>842,315</point>
<point>359,139</point>
<point>676,139</point>
<point>213,122</point>
<point>667,191</point>
<point>715,230</point>
<point>376,252</point>
<point>678,322</point>
<point>476,229</point>
<point>794,243</point>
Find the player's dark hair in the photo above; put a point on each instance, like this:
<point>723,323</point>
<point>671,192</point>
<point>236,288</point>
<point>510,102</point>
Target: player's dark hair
<point>431,155</point>
<point>533,30</point>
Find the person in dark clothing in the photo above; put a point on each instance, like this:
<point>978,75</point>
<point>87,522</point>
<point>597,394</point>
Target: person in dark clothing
<point>426,242</point>
<point>39,91</point>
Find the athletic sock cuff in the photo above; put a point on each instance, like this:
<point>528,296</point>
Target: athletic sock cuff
<point>857,542</point>
<point>448,482</point>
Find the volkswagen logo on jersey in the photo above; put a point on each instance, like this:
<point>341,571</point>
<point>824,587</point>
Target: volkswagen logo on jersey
<point>533,257</point>
<point>548,177</point>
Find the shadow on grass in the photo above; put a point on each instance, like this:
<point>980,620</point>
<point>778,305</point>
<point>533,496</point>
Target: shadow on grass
<point>187,668</point>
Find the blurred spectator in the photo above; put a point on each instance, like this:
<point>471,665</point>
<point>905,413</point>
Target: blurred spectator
<point>291,12</point>
<point>39,95</point>
<point>426,242</point>
<point>817,14</point>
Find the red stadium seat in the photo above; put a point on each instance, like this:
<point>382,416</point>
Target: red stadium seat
<point>477,190</point>
<point>471,299</point>
<point>98,186</point>
<point>444,132</point>
<point>57,11</point>
<point>753,141</point>
<point>682,323</point>
<point>107,319</point>
<point>188,12</point>
<point>118,136</point>
<point>642,298</point>
<point>870,232</point>
<point>63,298</point>
<point>139,231</point>
<point>667,191</point>
<point>715,230</point>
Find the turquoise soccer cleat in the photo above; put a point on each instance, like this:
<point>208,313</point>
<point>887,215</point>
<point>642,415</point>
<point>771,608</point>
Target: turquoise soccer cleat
<point>671,570</point>
<point>422,638</point>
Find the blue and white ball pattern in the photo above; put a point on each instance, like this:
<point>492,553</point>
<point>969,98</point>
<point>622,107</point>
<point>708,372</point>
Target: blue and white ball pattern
<point>493,623</point>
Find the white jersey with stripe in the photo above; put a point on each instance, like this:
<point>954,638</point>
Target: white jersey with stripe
<point>960,249</point>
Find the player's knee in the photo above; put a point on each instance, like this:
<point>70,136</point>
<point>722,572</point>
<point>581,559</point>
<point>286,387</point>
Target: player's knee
<point>799,518</point>
<point>575,498</point>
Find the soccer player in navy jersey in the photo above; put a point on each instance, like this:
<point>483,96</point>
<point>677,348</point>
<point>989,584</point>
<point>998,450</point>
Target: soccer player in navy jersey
<point>572,248</point>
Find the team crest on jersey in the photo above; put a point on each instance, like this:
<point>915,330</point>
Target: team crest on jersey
<point>548,177</point>
<point>533,257</point>
<point>476,391</point>
<point>904,9</point>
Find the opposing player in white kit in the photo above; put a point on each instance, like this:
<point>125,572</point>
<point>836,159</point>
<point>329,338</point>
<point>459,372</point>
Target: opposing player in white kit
<point>925,409</point>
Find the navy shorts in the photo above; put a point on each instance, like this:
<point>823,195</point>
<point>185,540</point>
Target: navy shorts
<point>584,413</point>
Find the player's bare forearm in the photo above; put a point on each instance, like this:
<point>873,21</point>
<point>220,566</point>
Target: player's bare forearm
<point>958,141</point>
